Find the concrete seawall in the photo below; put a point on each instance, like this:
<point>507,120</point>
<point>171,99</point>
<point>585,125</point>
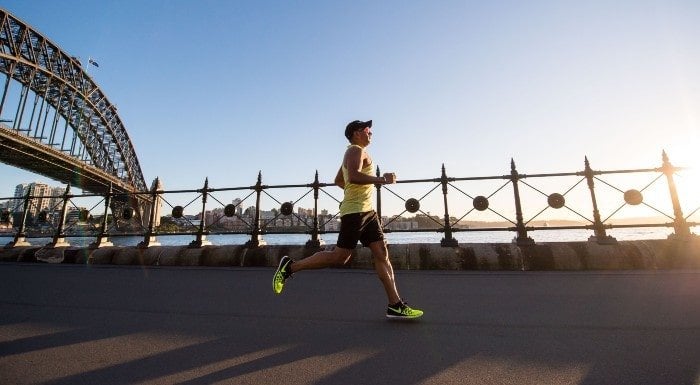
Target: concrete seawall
<point>624,255</point>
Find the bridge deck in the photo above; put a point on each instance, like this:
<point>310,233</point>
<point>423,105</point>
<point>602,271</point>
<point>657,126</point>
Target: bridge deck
<point>23,152</point>
<point>73,324</point>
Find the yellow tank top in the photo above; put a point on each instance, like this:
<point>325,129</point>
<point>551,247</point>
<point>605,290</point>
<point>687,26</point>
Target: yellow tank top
<point>358,197</point>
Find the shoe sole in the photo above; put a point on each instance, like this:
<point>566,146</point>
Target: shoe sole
<point>402,316</point>
<point>279,267</point>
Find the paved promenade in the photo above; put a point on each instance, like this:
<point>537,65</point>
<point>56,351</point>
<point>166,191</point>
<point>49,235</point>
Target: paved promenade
<point>78,324</point>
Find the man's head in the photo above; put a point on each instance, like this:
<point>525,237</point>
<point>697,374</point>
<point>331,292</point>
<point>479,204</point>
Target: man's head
<point>356,125</point>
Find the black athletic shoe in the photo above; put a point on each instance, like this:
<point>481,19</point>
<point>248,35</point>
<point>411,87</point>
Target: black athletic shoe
<point>402,310</point>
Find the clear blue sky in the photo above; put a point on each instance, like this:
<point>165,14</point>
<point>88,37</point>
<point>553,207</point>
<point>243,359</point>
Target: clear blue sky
<point>223,89</point>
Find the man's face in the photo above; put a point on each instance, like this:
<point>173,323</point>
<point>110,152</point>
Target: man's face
<point>364,136</point>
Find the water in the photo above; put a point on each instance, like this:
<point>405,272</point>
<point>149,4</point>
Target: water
<point>626,234</point>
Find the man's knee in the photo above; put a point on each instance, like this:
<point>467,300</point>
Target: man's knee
<point>379,251</point>
<point>341,256</point>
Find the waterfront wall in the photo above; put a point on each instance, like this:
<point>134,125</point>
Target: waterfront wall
<point>623,255</point>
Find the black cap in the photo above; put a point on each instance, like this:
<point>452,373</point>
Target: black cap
<point>356,125</point>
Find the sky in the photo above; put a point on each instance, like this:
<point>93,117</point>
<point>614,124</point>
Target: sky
<point>226,89</point>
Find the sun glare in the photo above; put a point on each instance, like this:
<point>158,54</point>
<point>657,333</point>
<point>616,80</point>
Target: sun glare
<point>688,180</point>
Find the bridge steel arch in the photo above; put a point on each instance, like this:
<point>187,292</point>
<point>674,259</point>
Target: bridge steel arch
<point>63,125</point>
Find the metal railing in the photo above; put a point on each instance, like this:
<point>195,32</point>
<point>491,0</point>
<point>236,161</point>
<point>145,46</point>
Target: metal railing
<point>220,218</point>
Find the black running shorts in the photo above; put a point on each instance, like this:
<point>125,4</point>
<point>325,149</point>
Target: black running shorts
<point>363,227</point>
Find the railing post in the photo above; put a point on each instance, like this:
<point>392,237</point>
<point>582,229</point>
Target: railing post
<point>102,239</point>
<point>599,234</point>
<point>149,239</point>
<point>21,236</point>
<point>59,239</point>
<point>255,237</point>
<point>201,237</point>
<point>680,226</point>
<point>379,196</point>
<point>522,239</point>
<point>315,241</point>
<point>448,241</point>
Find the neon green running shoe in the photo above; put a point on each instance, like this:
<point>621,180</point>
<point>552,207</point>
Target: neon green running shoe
<point>401,310</point>
<point>281,274</point>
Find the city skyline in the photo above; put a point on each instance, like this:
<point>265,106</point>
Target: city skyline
<point>465,212</point>
<point>269,87</point>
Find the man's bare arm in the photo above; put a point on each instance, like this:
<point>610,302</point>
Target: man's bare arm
<point>353,161</point>
<point>339,180</point>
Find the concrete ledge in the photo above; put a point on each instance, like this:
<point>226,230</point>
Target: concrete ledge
<point>624,255</point>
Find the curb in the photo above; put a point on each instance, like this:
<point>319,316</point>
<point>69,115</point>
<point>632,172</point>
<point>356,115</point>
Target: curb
<point>623,255</point>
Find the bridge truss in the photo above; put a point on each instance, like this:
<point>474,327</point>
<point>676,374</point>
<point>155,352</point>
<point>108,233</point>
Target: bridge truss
<point>55,120</point>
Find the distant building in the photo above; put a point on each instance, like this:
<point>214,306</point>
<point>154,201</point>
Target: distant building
<point>237,202</point>
<point>20,192</point>
<point>400,223</point>
<point>56,199</point>
<point>72,216</point>
<point>305,212</point>
<point>43,197</point>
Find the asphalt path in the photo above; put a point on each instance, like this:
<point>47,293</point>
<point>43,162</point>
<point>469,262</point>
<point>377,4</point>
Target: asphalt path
<point>75,324</point>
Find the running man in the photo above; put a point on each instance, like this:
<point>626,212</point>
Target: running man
<point>358,222</point>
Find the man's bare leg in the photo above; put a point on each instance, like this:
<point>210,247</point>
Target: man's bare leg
<point>320,260</point>
<point>323,259</point>
<point>385,272</point>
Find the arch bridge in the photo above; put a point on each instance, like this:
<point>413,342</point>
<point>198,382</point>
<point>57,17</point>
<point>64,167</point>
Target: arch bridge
<point>55,120</point>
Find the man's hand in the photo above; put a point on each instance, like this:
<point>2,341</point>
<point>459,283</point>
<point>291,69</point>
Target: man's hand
<point>389,178</point>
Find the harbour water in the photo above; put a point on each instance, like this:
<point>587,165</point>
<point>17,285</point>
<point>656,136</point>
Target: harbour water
<point>623,234</point>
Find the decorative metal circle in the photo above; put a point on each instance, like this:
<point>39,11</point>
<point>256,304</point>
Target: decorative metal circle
<point>178,211</point>
<point>128,213</point>
<point>481,203</point>
<point>633,197</point>
<point>287,208</point>
<point>230,210</point>
<point>556,201</point>
<point>84,215</point>
<point>412,205</point>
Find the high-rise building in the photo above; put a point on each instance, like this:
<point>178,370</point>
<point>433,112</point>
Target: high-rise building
<point>41,194</point>
<point>44,198</point>
<point>56,199</point>
<point>16,204</point>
